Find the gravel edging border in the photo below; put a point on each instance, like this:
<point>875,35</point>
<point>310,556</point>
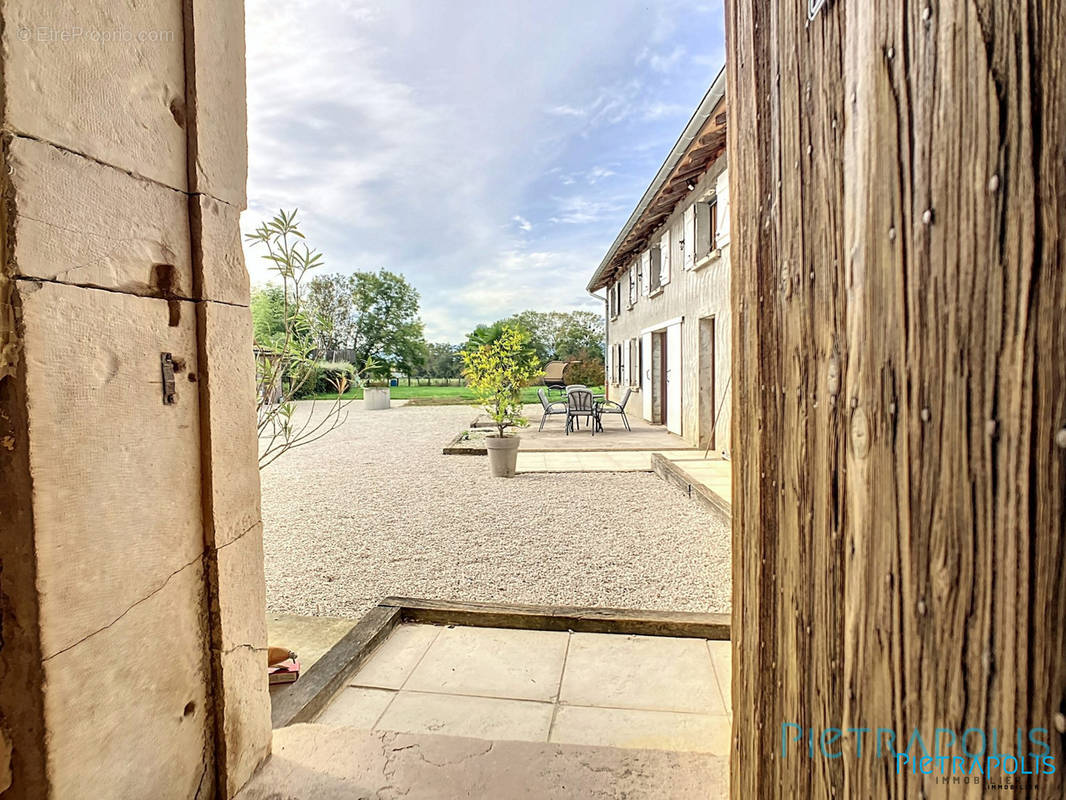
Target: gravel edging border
<point>456,446</point>
<point>671,473</point>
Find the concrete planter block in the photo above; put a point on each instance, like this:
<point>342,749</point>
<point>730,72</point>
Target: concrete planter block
<point>376,398</point>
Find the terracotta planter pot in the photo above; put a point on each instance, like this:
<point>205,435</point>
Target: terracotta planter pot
<point>503,455</point>
<point>376,398</point>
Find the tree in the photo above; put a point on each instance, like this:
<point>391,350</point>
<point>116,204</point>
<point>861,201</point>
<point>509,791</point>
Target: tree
<point>442,361</point>
<point>497,371</point>
<point>329,300</point>
<point>483,334</point>
<point>373,315</point>
<point>285,339</point>
<point>551,335</point>
<point>411,354</point>
<point>578,334</point>
<point>268,312</point>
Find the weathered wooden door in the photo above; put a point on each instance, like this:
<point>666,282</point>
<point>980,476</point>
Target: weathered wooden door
<point>899,357</point>
<point>645,378</point>
<point>672,389</point>
<point>707,405</point>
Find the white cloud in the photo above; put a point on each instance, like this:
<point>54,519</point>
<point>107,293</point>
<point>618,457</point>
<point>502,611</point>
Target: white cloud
<point>662,61</point>
<point>597,174</point>
<point>663,110</point>
<point>567,111</point>
<point>581,210</point>
<point>408,132</point>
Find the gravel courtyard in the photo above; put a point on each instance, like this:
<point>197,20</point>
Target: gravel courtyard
<point>375,509</point>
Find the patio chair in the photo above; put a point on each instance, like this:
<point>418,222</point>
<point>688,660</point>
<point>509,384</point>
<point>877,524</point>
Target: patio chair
<point>579,404</point>
<point>611,407</point>
<point>553,374</point>
<point>558,407</point>
<point>569,388</point>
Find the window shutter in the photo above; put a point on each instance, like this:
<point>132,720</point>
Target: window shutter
<point>664,258</point>
<point>689,236</point>
<point>714,223</point>
<point>655,268</point>
<point>723,209</point>
<point>632,286</point>
<point>703,229</point>
<point>677,250</point>
<point>645,259</point>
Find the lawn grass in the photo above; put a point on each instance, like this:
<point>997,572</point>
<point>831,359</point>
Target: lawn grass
<point>440,395</point>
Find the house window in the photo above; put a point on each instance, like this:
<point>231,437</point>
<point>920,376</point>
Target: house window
<point>704,223</point>
<point>655,277</point>
<point>677,246</point>
<point>641,288</point>
<point>632,286</point>
<point>665,254</point>
<point>713,207</point>
<point>618,365</point>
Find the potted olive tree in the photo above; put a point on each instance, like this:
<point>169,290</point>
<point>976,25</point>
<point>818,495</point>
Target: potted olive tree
<point>376,393</point>
<point>497,371</point>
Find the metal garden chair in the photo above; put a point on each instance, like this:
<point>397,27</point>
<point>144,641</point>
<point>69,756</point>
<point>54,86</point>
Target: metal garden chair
<point>611,407</point>
<point>550,408</point>
<point>579,403</point>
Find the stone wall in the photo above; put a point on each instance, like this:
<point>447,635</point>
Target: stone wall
<point>131,570</point>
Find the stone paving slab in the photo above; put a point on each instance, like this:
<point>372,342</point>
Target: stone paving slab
<point>598,461</point>
<point>323,762</point>
<point>643,436</point>
<point>708,479</point>
<point>599,689</point>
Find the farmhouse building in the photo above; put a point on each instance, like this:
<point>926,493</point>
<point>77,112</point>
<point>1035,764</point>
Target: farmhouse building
<point>666,278</point>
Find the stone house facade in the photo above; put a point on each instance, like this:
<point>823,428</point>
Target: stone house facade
<point>666,278</point>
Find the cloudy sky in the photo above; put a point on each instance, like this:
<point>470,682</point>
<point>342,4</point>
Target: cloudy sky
<point>488,150</point>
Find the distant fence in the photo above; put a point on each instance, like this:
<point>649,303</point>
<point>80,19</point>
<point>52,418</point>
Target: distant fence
<point>350,356</point>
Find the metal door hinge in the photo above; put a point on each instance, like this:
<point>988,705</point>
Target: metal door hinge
<point>166,361</point>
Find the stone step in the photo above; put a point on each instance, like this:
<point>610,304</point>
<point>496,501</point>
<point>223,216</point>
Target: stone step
<point>325,762</point>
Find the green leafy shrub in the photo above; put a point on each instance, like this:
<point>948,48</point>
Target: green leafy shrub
<point>497,371</point>
<point>334,377</point>
<point>589,370</point>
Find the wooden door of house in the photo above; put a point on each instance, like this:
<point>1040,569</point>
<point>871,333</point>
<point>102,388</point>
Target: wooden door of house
<point>707,404</point>
<point>664,406</point>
